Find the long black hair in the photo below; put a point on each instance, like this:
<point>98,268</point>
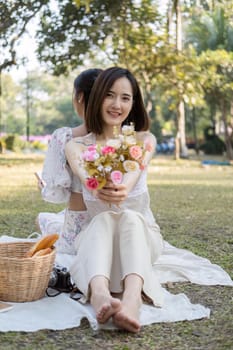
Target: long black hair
<point>83,83</point>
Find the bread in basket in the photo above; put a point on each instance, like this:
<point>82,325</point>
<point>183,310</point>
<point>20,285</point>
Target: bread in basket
<point>24,275</point>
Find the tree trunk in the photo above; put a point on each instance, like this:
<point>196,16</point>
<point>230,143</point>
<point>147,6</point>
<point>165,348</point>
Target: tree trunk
<point>177,145</point>
<point>181,140</point>
<point>229,149</point>
<point>27,108</point>
<point>169,21</point>
<point>0,102</point>
<point>194,123</point>
<point>183,152</point>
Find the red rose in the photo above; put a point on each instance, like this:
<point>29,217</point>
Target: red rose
<point>92,184</point>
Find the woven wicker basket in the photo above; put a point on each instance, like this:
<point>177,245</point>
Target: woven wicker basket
<point>23,279</point>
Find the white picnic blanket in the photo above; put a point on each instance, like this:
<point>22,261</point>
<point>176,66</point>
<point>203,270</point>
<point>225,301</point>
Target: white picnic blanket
<point>62,312</point>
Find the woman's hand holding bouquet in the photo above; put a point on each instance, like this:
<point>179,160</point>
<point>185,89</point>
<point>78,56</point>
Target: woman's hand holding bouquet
<point>113,193</point>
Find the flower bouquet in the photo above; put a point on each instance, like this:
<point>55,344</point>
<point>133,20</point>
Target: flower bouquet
<point>120,155</point>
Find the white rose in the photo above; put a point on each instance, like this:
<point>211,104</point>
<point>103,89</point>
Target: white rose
<point>100,168</point>
<point>108,169</point>
<point>130,165</point>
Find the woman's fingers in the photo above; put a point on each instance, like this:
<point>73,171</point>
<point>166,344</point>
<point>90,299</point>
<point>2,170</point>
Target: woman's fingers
<point>113,193</point>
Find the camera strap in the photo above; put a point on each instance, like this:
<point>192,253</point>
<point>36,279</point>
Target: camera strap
<point>75,293</point>
<point>51,292</point>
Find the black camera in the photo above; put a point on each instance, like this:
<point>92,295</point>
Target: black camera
<point>60,279</point>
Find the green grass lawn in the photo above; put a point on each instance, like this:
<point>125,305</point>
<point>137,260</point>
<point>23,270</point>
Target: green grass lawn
<point>193,206</point>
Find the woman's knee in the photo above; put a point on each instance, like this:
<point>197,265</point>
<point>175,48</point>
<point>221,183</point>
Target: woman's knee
<point>130,217</point>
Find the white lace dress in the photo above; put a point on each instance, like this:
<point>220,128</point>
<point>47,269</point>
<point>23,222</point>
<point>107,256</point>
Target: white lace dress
<point>56,172</point>
<point>59,182</point>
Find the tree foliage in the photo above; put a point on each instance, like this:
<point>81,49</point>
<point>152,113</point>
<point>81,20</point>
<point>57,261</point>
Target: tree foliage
<point>15,16</point>
<point>71,34</point>
<point>211,30</point>
<point>133,34</point>
<point>217,68</point>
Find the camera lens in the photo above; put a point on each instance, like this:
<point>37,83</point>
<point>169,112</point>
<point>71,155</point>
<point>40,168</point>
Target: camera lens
<point>64,270</point>
<point>53,278</point>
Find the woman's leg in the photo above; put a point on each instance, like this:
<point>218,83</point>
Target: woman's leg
<point>91,269</point>
<point>128,316</point>
<point>137,274</point>
<point>137,246</point>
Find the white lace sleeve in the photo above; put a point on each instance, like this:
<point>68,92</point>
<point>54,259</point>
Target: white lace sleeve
<point>56,172</point>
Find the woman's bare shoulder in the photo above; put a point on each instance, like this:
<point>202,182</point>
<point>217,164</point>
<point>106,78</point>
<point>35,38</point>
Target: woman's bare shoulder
<point>85,140</point>
<point>80,141</point>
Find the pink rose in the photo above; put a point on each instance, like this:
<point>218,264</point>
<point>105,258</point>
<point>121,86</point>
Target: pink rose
<point>92,147</point>
<point>135,152</point>
<point>91,184</point>
<point>116,176</point>
<point>107,149</point>
<point>89,156</point>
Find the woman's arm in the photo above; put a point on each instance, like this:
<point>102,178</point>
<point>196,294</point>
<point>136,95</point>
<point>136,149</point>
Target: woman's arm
<point>73,151</point>
<point>149,141</point>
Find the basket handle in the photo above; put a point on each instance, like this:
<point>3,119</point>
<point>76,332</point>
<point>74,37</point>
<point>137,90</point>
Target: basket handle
<point>34,235</point>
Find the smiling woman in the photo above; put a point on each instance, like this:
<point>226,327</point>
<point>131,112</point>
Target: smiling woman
<point>120,248</point>
<point>122,231</point>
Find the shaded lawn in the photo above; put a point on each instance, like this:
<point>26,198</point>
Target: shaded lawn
<point>192,205</point>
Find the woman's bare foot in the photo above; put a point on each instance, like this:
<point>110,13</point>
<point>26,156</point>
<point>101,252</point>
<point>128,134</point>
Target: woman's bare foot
<point>105,306</point>
<point>128,316</point>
